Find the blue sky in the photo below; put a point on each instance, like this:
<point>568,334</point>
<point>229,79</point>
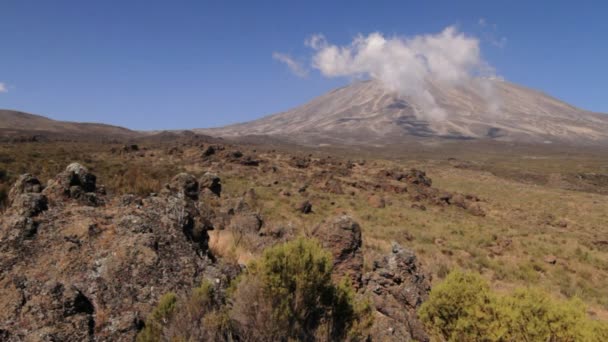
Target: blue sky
<point>190,64</point>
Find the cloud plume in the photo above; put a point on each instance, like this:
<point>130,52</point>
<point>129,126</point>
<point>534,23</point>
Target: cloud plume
<point>406,65</point>
<point>3,88</point>
<point>291,63</point>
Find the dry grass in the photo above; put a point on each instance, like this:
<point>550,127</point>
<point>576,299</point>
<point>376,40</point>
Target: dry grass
<point>529,213</point>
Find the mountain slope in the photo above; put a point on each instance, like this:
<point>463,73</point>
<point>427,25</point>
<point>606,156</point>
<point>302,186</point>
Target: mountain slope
<point>365,112</point>
<point>15,123</point>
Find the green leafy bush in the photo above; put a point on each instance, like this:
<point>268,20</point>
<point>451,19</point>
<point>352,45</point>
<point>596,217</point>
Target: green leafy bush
<point>463,308</point>
<point>288,294</point>
<point>158,318</point>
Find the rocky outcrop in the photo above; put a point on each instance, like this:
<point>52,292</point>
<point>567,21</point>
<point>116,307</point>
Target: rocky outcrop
<point>211,182</point>
<point>183,185</point>
<point>76,182</point>
<point>342,237</point>
<point>25,184</point>
<point>79,273</point>
<point>419,187</point>
<point>397,287</point>
<point>396,284</point>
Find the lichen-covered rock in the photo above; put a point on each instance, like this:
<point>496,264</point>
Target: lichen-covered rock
<point>212,183</point>
<point>397,287</point>
<point>417,177</point>
<point>76,182</point>
<point>29,204</point>
<point>26,183</point>
<point>184,185</point>
<point>82,273</point>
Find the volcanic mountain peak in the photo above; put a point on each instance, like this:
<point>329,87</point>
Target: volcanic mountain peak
<point>367,112</point>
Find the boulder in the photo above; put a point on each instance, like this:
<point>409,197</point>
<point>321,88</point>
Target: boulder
<point>305,207</point>
<point>26,183</point>
<point>299,162</point>
<point>211,182</point>
<point>75,182</point>
<point>183,185</point>
<point>416,177</point>
<point>30,204</point>
<point>397,287</point>
<point>246,222</point>
<point>209,151</point>
<point>342,237</point>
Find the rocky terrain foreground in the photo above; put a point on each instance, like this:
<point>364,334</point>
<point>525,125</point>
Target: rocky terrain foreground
<point>88,254</point>
<point>78,264</point>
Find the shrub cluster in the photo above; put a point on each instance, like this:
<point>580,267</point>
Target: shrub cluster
<point>463,308</point>
<point>287,295</point>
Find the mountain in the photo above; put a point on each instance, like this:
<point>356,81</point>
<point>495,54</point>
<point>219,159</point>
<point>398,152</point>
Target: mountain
<point>14,123</point>
<point>489,109</point>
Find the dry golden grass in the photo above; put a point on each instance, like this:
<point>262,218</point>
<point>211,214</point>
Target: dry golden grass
<point>529,214</point>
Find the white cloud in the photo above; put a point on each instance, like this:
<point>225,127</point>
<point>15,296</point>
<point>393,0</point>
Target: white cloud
<point>482,22</point>
<point>406,65</point>
<point>291,63</point>
<point>3,88</point>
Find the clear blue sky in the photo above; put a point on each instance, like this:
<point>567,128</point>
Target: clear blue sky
<point>189,64</point>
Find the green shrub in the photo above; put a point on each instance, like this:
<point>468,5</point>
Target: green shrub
<point>152,331</point>
<point>463,308</point>
<point>289,295</point>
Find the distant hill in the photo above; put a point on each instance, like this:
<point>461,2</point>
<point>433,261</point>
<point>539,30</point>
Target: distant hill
<point>365,113</point>
<point>16,124</point>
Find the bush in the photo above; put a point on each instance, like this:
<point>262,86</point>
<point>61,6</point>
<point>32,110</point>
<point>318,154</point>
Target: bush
<point>462,308</point>
<point>289,295</point>
<point>153,329</point>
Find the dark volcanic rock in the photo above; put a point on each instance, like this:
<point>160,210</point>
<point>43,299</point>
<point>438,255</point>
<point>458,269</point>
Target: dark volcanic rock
<point>30,204</point>
<point>397,287</point>
<point>79,273</point>
<point>26,183</point>
<point>184,185</point>
<point>305,207</point>
<point>417,177</point>
<point>342,237</point>
<point>75,182</point>
<point>211,182</point>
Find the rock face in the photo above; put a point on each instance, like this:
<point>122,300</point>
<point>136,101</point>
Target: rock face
<point>212,183</point>
<point>397,287</point>
<point>78,273</point>
<point>342,237</point>
<point>75,182</point>
<point>25,184</point>
<point>419,187</point>
<point>25,198</point>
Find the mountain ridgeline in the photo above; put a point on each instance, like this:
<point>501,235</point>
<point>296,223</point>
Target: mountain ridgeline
<point>365,112</point>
